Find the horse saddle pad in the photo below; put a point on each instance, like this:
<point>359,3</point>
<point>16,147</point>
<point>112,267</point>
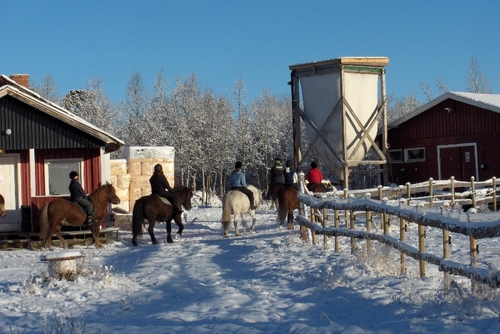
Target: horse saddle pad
<point>164,200</point>
<point>78,205</point>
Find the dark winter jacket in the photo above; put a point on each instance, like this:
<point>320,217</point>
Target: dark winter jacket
<point>158,185</point>
<point>289,173</point>
<point>276,174</point>
<point>76,191</point>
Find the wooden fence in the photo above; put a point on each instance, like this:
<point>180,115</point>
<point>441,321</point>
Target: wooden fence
<point>428,204</point>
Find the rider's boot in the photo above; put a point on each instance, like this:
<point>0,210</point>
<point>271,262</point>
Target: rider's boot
<point>90,221</point>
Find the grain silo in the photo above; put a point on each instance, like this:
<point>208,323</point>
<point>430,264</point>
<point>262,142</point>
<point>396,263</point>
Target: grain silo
<point>341,101</point>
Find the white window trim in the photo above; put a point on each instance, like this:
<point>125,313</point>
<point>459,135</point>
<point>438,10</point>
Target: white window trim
<point>46,172</point>
<point>413,160</point>
<point>396,161</point>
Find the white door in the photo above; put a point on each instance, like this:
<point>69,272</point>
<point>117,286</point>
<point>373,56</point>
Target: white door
<point>9,185</point>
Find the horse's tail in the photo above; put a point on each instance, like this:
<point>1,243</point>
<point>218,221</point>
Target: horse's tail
<point>44,221</point>
<point>282,205</point>
<point>226,213</point>
<point>137,218</point>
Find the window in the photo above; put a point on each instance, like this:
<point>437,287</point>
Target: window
<point>57,175</point>
<point>395,156</point>
<point>414,154</point>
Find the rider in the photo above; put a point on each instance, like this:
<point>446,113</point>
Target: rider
<point>314,175</point>
<point>276,174</point>
<point>290,175</point>
<point>237,181</point>
<point>79,196</point>
<point>159,183</point>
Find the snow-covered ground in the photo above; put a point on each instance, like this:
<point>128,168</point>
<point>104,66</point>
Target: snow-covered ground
<point>269,281</point>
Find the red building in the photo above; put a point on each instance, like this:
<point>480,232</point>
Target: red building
<point>456,134</point>
<point>40,143</point>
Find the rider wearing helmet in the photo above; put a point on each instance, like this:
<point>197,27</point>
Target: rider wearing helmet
<point>290,174</point>
<point>237,181</point>
<point>79,196</point>
<point>161,187</point>
<point>276,173</point>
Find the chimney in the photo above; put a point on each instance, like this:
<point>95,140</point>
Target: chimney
<point>21,79</point>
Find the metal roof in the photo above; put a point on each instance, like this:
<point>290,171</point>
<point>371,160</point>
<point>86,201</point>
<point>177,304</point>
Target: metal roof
<point>9,87</point>
<point>485,101</point>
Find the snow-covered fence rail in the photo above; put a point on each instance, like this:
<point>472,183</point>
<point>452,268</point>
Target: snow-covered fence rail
<point>444,217</point>
<point>436,192</point>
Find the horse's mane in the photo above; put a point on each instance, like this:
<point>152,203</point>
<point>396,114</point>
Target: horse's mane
<point>101,192</point>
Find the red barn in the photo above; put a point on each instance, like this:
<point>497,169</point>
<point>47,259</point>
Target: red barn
<point>455,134</point>
<point>40,143</point>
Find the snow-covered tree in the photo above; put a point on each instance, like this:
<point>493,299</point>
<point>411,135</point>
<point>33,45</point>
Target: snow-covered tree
<point>47,89</point>
<point>476,81</point>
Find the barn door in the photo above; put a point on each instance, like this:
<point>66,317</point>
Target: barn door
<point>458,161</point>
<point>9,183</point>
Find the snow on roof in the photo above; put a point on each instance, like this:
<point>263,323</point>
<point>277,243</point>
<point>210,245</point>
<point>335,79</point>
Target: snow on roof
<point>485,101</point>
<point>10,87</point>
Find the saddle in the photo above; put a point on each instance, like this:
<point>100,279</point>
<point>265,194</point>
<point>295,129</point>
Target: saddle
<point>164,200</point>
<point>80,206</point>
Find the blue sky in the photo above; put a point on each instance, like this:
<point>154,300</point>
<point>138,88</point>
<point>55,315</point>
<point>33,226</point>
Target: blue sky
<point>256,40</point>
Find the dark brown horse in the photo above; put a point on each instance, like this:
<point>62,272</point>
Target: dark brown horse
<point>3,212</point>
<point>316,187</point>
<point>62,212</point>
<point>273,194</point>
<point>153,209</point>
<point>287,202</point>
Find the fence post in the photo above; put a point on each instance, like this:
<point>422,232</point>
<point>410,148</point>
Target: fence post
<point>302,210</point>
<point>336,224</point>
<point>421,248</point>
<point>382,215</point>
<point>402,237</point>
<point>324,223</point>
<point>473,242</point>
<point>368,229</point>
<point>431,192</point>
<point>346,212</point>
<point>452,186</point>
<point>353,240</point>
<point>446,236</point>
<point>494,183</point>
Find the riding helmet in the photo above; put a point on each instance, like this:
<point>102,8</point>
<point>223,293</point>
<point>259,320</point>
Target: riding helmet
<point>289,163</point>
<point>73,174</point>
<point>313,164</point>
<point>238,165</point>
<point>158,168</point>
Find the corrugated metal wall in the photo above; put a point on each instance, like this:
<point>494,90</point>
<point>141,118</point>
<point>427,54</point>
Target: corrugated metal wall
<point>31,128</point>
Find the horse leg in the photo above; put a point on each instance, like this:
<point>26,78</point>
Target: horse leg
<point>235,223</point>
<point>95,235</point>
<point>178,221</point>
<point>151,228</point>
<point>244,223</point>
<point>290,220</point>
<point>58,233</point>
<point>169,232</point>
<point>254,219</point>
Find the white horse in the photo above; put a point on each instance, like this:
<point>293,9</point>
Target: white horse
<point>237,202</point>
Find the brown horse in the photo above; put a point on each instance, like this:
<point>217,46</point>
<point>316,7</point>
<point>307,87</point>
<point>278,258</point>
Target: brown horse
<point>3,212</point>
<point>273,194</point>
<point>316,187</point>
<point>288,201</point>
<point>62,212</point>
<point>153,209</point>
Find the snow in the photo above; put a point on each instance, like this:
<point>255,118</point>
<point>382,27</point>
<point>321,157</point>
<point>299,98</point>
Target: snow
<point>269,281</point>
